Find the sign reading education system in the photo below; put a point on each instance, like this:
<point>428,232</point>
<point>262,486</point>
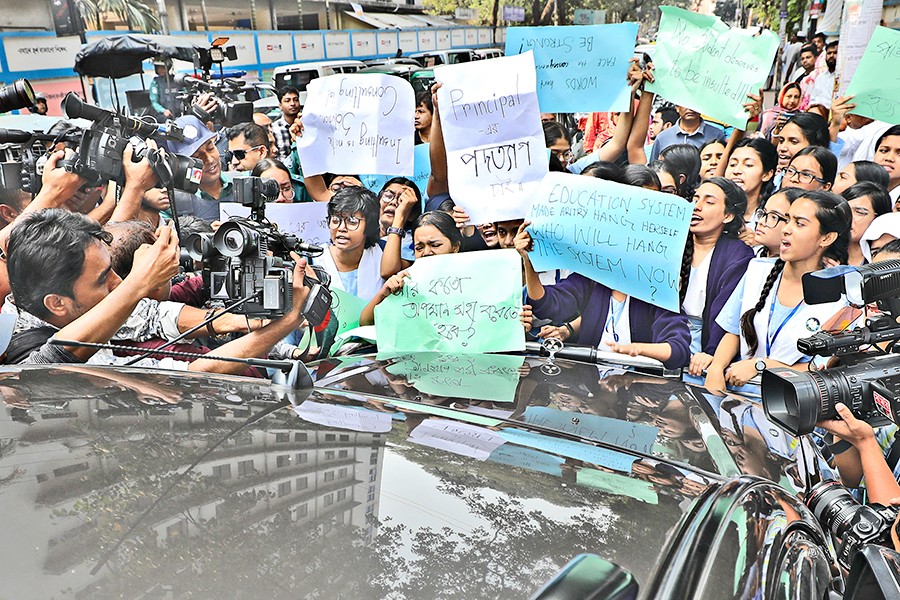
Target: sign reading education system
<point>358,123</point>
<point>876,83</point>
<point>496,156</point>
<point>627,238</point>
<point>579,68</point>
<point>702,64</point>
<point>464,303</point>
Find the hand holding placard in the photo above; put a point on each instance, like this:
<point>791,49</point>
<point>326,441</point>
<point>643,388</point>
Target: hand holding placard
<point>876,83</point>
<point>627,238</point>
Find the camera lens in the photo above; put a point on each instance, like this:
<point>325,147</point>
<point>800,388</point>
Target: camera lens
<point>199,245</point>
<point>234,239</point>
<point>268,189</point>
<point>16,95</point>
<point>833,506</point>
<point>797,400</point>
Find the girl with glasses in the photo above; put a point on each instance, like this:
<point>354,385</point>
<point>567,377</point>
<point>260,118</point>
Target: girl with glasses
<point>272,168</point>
<point>767,314</point>
<point>714,261</point>
<point>400,203</point>
<point>354,257</point>
<point>812,168</point>
<point>770,219</point>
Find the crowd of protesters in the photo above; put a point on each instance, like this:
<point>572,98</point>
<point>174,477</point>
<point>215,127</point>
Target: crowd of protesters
<point>808,184</point>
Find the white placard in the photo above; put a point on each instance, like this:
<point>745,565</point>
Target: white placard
<point>365,43</point>
<point>40,52</point>
<point>309,46</point>
<point>458,38</point>
<point>344,417</point>
<point>492,131</point>
<point>484,36</point>
<point>427,41</point>
<point>358,123</point>
<point>861,17</point>
<point>387,42</point>
<point>471,37</point>
<point>459,438</point>
<point>337,44</point>
<point>275,48</point>
<point>307,220</point>
<point>245,46</point>
<point>443,39</point>
<point>409,41</point>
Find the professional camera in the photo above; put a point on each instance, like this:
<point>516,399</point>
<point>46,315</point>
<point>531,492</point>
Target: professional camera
<point>853,525</point>
<point>869,382</point>
<point>250,258</point>
<point>229,110</point>
<point>101,148</point>
<point>24,153</point>
<point>16,96</point>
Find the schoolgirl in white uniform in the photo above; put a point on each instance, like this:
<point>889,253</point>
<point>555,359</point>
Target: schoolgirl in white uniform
<point>767,314</point>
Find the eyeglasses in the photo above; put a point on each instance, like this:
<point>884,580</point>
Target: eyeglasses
<point>769,219</point>
<point>390,197</point>
<point>802,176</point>
<point>241,153</point>
<point>349,221</point>
<point>562,154</point>
<point>336,187</point>
<point>287,190</point>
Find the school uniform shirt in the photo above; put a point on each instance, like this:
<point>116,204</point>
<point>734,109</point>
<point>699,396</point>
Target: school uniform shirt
<point>364,282</point>
<point>578,295</point>
<point>728,262</point>
<point>778,327</point>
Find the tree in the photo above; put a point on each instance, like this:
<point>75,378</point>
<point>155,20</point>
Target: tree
<point>136,15</point>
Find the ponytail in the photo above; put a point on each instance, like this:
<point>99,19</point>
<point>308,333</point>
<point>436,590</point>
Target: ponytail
<point>747,328</point>
<point>686,261</point>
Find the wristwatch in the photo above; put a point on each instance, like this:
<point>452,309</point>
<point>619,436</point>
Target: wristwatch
<point>760,365</point>
<point>399,231</point>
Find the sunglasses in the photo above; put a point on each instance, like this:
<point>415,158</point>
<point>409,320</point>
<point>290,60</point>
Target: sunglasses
<point>240,153</point>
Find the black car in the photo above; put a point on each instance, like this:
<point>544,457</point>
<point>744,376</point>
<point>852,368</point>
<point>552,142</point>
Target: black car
<point>413,476</point>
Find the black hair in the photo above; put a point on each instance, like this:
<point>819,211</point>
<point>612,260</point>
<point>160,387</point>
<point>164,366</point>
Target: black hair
<point>893,130</point>
<point>424,99</point>
<point>768,156</point>
<point>682,162</point>
<point>719,141</point>
<point>668,114</point>
<point>189,224</point>
<point>813,126</point>
<point>831,44</point>
<point>556,165</point>
<point>881,200</point>
<point>17,198</point>
<point>825,158</point>
<point>328,178</point>
<point>810,47</point>
<point>640,176</point>
<point>892,247</point>
<point>446,205</point>
<point>282,92</point>
<point>735,205</point>
<point>416,210</point>
<point>605,170</point>
<point>866,170</point>
<point>444,223</point>
<point>818,34</point>
<point>553,132</point>
<point>790,194</point>
<point>127,237</point>
<point>269,163</point>
<point>45,255</point>
<point>833,214</point>
<point>255,135</point>
<point>356,199</point>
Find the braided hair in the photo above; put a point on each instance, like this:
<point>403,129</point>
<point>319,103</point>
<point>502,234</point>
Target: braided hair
<point>747,328</point>
<point>686,263</point>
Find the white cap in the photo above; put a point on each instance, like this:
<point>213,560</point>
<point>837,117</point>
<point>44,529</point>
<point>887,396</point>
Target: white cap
<point>885,224</point>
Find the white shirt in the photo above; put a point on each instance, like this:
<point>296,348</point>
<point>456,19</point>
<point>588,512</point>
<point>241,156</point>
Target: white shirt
<point>859,144</point>
<point>618,325</point>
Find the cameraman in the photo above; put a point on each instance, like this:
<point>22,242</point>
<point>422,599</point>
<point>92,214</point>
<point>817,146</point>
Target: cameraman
<point>215,185</point>
<point>63,283</point>
<point>864,455</point>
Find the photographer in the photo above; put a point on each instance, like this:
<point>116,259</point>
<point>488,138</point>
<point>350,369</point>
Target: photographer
<point>64,286</point>
<point>215,185</point>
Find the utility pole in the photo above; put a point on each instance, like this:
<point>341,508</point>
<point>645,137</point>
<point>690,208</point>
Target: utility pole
<point>163,16</point>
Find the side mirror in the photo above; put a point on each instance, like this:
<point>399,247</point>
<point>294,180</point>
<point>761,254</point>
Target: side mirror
<point>589,577</point>
<point>874,575</point>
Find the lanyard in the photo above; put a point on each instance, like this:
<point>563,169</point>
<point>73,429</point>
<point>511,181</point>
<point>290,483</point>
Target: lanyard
<point>613,317</point>
<point>770,339</point>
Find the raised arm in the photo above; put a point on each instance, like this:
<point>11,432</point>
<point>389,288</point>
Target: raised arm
<point>437,181</point>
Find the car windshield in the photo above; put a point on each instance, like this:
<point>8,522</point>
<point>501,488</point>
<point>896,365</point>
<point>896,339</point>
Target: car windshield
<point>659,419</point>
<point>296,79</point>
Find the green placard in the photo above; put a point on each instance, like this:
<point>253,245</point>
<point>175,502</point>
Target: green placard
<point>463,303</point>
<point>347,308</point>
<point>702,64</point>
<point>876,83</point>
<point>617,484</point>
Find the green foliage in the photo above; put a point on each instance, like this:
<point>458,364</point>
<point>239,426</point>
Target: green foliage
<point>766,12</point>
<point>137,15</point>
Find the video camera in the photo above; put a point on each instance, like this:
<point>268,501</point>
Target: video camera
<point>22,156</point>
<point>101,148</point>
<point>249,257</point>
<point>229,110</point>
<point>869,381</point>
<point>15,96</point>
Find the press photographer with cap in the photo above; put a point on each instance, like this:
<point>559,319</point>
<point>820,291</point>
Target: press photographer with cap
<point>215,185</point>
